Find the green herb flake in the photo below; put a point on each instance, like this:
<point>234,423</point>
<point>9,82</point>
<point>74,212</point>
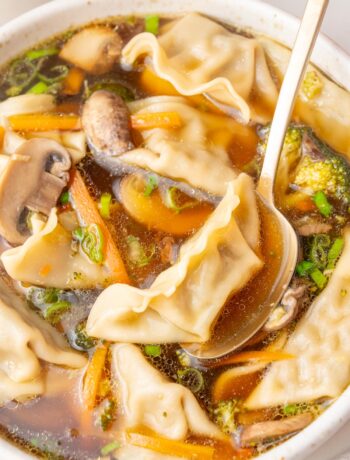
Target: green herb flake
<point>304,268</point>
<point>153,350</point>
<point>64,198</point>
<point>45,52</point>
<point>54,312</point>
<point>39,88</point>
<point>318,278</point>
<point>137,253</point>
<point>224,414</point>
<point>322,203</point>
<point>152,24</point>
<point>151,185</point>
<point>110,447</point>
<point>104,205</point>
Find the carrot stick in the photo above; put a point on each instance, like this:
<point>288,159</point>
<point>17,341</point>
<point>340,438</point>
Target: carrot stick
<point>89,213</point>
<point>45,122</point>
<point>171,447</point>
<point>93,376</point>
<point>166,120</point>
<point>73,82</point>
<point>260,355</point>
<point>2,136</point>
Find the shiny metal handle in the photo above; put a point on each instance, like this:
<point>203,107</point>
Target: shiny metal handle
<point>304,43</point>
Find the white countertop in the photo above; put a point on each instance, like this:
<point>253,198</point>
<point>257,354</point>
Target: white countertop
<point>337,26</point>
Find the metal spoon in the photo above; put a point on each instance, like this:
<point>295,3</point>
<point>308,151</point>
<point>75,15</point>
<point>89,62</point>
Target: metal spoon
<point>303,46</point>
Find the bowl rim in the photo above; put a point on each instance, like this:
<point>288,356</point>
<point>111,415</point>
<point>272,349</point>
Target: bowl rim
<point>282,26</point>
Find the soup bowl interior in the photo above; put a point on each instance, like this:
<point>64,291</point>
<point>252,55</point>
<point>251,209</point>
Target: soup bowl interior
<point>59,15</point>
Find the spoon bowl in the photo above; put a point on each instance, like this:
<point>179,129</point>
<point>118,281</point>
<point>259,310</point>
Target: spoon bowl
<point>304,43</point>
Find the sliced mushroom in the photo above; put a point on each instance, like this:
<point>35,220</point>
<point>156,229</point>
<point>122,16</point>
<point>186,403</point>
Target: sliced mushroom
<point>274,429</point>
<point>34,185</point>
<point>287,310</point>
<point>313,228</point>
<point>94,49</point>
<point>107,127</point>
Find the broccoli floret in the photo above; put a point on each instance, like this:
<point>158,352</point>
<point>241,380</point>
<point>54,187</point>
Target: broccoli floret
<point>322,170</point>
<point>224,415</point>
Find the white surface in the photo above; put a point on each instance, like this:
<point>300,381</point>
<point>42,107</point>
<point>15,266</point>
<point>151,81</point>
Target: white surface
<point>337,27</point>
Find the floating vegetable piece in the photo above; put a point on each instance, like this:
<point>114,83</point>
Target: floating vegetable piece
<point>33,185</point>
<point>109,448</point>
<point>335,252</point>
<point>151,211</point>
<point>224,414</point>
<point>93,376</point>
<point>318,278</point>
<point>104,205</point>
<point>152,24</point>
<point>87,209</point>
<point>171,447</point>
<point>45,122</point>
<point>91,241</point>
<point>54,312</point>
<point>192,378</point>
<point>108,415</point>
<point>94,49</point>
<point>111,86</point>
<point>73,81</point>
<point>171,201</point>
<point>151,184</point>
<point>40,53</point>
<point>323,204</point>
<point>21,74</point>
<point>136,252</point>
<point>39,88</point>
<point>153,350</point>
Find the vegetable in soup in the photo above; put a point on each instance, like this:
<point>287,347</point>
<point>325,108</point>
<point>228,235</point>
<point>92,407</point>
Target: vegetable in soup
<point>129,226</point>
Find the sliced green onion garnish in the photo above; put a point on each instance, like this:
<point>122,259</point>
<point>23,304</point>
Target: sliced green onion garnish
<point>151,184</point>
<point>290,409</point>
<point>105,205</point>
<point>64,198</point>
<point>152,24</point>
<point>54,312</point>
<point>91,241</point>
<point>37,54</point>
<point>153,350</point>
<point>39,88</point>
<point>304,268</point>
<point>59,71</point>
<point>323,204</point>
<point>334,252</point>
<point>109,448</point>
<point>171,201</point>
<point>318,251</point>
<point>21,74</point>
<point>191,378</point>
<point>136,252</point>
<point>318,278</point>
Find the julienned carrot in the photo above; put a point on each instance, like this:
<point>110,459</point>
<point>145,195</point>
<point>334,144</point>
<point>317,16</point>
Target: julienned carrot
<point>45,122</point>
<point>171,447</point>
<point>166,120</point>
<point>73,82</point>
<point>2,136</point>
<point>259,355</point>
<point>93,376</point>
<point>88,211</point>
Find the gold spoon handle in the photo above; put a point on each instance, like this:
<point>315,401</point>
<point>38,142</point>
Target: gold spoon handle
<point>304,43</point>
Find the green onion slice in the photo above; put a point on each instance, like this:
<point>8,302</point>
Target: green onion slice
<point>109,448</point>
<point>21,74</point>
<point>59,73</point>
<point>64,198</point>
<point>104,205</point>
<point>191,378</point>
<point>151,185</point>
<point>39,88</point>
<point>323,204</point>
<point>54,312</point>
<point>153,350</point>
<point>318,251</point>
<point>152,24</point>
<point>290,409</point>
<point>45,52</point>
<point>318,278</point>
<point>172,203</point>
<point>91,241</point>
<point>136,252</point>
<point>335,252</point>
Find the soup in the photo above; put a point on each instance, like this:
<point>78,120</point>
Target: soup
<point>131,234</point>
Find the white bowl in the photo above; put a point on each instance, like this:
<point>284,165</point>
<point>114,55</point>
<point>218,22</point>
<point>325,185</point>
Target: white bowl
<point>59,15</point>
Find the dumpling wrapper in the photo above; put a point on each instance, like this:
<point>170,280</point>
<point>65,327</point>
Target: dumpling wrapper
<point>328,113</point>
<point>147,395</point>
<point>199,56</point>
<point>129,452</point>
<point>188,153</point>
<point>25,340</point>
<point>320,343</point>
<point>183,302</point>
<point>51,246</point>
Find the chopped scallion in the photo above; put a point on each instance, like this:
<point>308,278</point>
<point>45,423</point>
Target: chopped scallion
<point>334,252</point>
<point>109,448</point>
<point>37,54</point>
<point>64,198</point>
<point>318,278</point>
<point>151,184</point>
<point>304,268</point>
<point>191,378</point>
<point>105,205</point>
<point>152,24</point>
<point>59,73</point>
<point>322,203</point>
<point>136,252</point>
<point>318,250</point>
<point>54,312</point>
<point>171,201</point>
<point>153,350</point>
<point>39,88</point>
<point>91,241</point>
<point>290,409</point>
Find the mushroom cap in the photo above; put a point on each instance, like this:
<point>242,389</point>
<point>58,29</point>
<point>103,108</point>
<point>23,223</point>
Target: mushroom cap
<point>33,180</point>
<point>94,49</point>
<point>106,122</point>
